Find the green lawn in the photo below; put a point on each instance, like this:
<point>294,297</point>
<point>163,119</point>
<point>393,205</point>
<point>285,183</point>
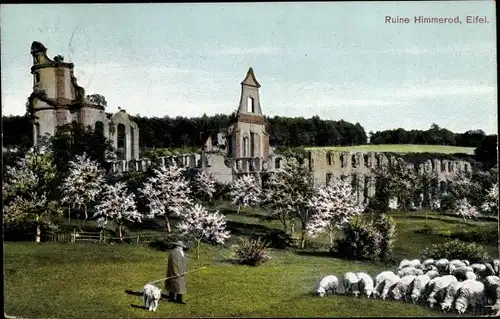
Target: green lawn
<point>59,280</point>
<point>399,148</point>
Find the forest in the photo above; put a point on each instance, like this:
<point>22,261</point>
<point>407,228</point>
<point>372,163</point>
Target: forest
<point>285,132</point>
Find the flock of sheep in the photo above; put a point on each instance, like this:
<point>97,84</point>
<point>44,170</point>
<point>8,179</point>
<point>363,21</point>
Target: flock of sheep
<point>453,285</point>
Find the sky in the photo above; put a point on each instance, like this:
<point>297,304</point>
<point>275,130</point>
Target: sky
<point>337,60</point>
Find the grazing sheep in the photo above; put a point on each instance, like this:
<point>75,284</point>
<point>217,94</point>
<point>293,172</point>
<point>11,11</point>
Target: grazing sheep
<point>470,294</point>
<point>432,274</point>
<point>404,263</point>
<point>150,296</point>
<point>496,266</point>
<point>470,276</point>
<point>489,271</point>
<point>402,288</point>
<point>427,263</point>
<point>437,288</point>
<point>491,283</point>
<point>460,272</point>
<point>451,293</point>
<point>350,284</point>
<point>380,281</point>
<point>389,282</point>
<point>409,270</point>
<point>365,284</point>
<point>466,262</point>
<point>477,267</point>
<point>442,264</point>
<point>327,283</point>
<point>455,263</point>
<point>418,287</point>
<point>415,263</point>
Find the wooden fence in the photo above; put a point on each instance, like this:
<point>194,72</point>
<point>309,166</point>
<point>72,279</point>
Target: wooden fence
<point>99,237</point>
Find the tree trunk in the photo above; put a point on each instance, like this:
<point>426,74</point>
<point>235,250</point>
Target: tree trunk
<point>330,234</point>
<point>38,229</point>
<point>120,232</point>
<point>198,241</point>
<point>167,222</point>
<point>85,209</point>
<point>239,206</point>
<point>69,214</point>
<point>302,238</point>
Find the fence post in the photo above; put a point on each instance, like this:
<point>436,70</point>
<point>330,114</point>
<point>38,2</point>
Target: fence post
<point>137,240</point>
<point>74,235</point>
<point>100,236</point>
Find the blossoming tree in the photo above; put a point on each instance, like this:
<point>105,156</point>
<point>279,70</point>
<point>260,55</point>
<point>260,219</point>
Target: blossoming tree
<point>199,224</point>
<point>83,184</point>
<point>332,206</point>
<point>465,210</point>
<point>204,185</point>
<point>27,190</point>
<point>245,191</point>
<point>117,205</point>
<point>167,193</point>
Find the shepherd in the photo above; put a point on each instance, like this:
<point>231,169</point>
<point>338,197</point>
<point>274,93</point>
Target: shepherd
<point>176,267</point>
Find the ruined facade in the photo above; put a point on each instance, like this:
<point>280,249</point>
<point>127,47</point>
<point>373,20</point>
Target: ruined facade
<point>57,99</point>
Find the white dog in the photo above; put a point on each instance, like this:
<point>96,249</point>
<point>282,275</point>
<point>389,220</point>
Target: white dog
<point>151,295</point>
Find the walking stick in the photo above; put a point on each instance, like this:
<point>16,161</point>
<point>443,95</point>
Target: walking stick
<point>171,277</point>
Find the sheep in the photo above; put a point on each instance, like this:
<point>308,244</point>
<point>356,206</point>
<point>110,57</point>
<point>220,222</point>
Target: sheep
<point>496,307</point>
<point>490,285</point>
<point>471,293</point>
<point>466,262</point>
<point>432,274</point>
<point>470,276</point>
<point>350,284</point>
<point>451,293</point>
<point>427,263</point>
<point>415,263</point>
<point>380,281</point>
<point>402,288</point>
<point>404,263</point>
<point>418,287</point>
<point>455,263</point>
<point>365,284</point>
<point>483,273</point>
<point>496,266</point>
<point>437,287</point>
<point>409,270</point>
<point>389,282</point>
<point>327,283</point>
<point>442,264</point>
<point>460,272</point>
<point>478,267</point>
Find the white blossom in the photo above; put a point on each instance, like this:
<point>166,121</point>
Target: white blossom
<point>167,192</point>
<point>464,209</point>
<point>204,184</point>
<point>246,191</point>
<point>83,184</point>
<point>333,206</point>
<point>26,190</point>
<point>199,224</point>
<point>491,200</point>
<point>117,205</point>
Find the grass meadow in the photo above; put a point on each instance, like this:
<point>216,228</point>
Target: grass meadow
<point>69,280</point>
<point>399,148</point>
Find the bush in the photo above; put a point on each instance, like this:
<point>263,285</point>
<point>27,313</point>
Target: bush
<point>251,252</point>
<point>361,240</point>
<point>278,239</point>
<point>488,236</point>
<point>368,239</point>
<point>222,191</point>
<point>427,229</point>
<point>456,249</point>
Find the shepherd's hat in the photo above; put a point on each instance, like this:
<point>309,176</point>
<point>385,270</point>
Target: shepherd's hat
<point>179,244</point>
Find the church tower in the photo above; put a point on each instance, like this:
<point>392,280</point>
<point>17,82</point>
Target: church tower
<point>54,91</point>
<point>249,137</point>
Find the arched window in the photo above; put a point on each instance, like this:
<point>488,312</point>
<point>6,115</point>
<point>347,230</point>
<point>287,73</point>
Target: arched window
<point>328,178</point>
<point>121,144</point>
<point>329,158</point>
<point>277,163</point>
<point>250,105</point>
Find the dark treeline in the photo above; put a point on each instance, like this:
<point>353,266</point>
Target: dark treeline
<point>285,132</point>
<point>433,136</point>
<point>181,132</point>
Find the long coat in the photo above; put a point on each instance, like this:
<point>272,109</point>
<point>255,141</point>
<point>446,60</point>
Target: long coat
<point>176,266</point>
